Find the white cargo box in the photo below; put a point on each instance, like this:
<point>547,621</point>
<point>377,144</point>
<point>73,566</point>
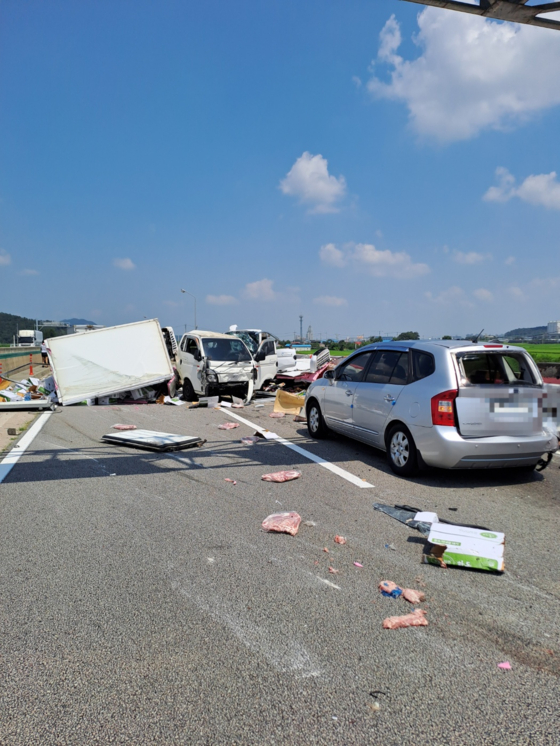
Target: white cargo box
<point>107,361</point>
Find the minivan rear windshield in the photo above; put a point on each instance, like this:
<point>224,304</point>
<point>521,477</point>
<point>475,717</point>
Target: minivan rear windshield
<point>495,368</point>
<point>231,350</point>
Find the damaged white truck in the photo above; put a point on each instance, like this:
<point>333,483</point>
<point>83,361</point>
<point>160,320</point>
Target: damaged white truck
<point>210,363</point>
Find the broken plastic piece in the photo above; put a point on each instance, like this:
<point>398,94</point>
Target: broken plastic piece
<point>358,564</point>
<point>281,476</point>
<point>228,426</point>
<point>124,427</point>
<point>286,523</point>
<point>506,666</point>
<point>415,619</point>
<point>340,539</point>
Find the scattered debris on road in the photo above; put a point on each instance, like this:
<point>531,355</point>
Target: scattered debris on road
<point>250,440</point>
<point>416,619</point>
<point>285,523</point>
<point>152,440</point>
<point>340,539</point>
<point>505,666</point>
<point>390,589</point>
<point>228,426</point>
<point>277,415</point>
<point>124,427</point>
<point>463,546</point>
<point>281,476</point>
<point>227,479</point>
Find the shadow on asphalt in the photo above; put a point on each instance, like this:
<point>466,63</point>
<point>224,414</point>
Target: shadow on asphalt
<point>348,449</point>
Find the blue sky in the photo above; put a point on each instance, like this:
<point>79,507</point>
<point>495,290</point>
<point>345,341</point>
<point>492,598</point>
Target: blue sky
<point>374,166</point>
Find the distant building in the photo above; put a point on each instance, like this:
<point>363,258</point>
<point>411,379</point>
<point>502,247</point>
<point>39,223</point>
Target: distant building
<point>553,327</point>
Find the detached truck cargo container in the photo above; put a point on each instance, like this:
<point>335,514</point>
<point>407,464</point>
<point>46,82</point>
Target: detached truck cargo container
<point>106,361</point>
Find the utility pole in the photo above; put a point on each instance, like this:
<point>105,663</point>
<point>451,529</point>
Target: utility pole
<point>301,328</point>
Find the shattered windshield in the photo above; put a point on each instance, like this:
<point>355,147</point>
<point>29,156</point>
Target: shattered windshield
<point>495,368</point>
<point>250,339</point>
<point>228,350</point>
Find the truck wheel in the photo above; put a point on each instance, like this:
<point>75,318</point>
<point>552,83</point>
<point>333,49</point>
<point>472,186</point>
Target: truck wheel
<point>315,423</point>
<point>401,451</point>
<point>188,391</point>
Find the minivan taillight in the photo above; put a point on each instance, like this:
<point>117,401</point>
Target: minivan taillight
<point>443,408</point>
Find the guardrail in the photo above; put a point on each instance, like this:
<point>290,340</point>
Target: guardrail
<point>18,363</point>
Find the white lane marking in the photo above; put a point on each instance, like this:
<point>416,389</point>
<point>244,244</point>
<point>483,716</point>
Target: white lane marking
<point>328,582</point>
<point>307,454</point>
<point>9,461</point>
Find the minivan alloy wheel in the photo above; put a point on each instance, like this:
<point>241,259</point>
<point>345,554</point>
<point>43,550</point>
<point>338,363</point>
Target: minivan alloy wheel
<point>400,448</point>
<point>314,419</point>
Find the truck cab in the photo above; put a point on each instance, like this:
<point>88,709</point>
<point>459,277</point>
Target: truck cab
<point>262,346</point>
<point>210,363</point>
<point>29,338</point>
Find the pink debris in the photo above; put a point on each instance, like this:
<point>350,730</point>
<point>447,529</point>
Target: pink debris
<point>228,426</point>
<point>277,415</point>
<point>281,476</point>
<point>333,571</point>
<point>284,523</point>
<point>416,619</point>
<point>230,480</point>
<point>412,596</point>
<point>325,550</point>
<point>505,666</point>
<point>124,427</point>
<point>237,406</point>
<point>388,586</point>
<point>358,564</point>
<point>340,539</point>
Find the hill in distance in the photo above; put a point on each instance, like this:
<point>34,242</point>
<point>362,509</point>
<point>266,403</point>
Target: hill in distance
<point>531,331</point>
<point>79,322</point>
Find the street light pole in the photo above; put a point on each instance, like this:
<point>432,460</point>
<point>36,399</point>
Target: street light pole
<point>194,298</point>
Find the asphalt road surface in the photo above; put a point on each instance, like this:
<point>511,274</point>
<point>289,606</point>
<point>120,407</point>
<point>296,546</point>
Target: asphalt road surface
<point>142,603</point>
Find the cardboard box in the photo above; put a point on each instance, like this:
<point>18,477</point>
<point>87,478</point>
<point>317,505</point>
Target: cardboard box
<point>466,547</point>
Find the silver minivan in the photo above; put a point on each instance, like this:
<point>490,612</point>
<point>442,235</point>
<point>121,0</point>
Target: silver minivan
<point>449,404</point>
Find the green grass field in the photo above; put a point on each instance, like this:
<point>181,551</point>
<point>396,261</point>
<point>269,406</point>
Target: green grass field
<point>543,353</point>
<point>539,353</point>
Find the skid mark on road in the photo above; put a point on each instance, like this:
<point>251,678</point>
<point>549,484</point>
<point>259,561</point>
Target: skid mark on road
<point>284,653</point>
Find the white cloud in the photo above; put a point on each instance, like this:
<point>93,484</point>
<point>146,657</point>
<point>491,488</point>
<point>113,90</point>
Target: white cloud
<point>260,290</point>
<point>125,264</point>
<point>379,263</point>
<point>510,261</point>
<point>330,300</point>
<point>484,295</point>
<point>29,272</point>
<point>387,263</point>
<point>471,257</point>
<point>5,258</point>
<point>472,74</point>
<point>221,300</point>
<point>310,181</point>
<point>452,296</point>
<point>333,256</point>
<point>516,293</point>
<point>539,189</point>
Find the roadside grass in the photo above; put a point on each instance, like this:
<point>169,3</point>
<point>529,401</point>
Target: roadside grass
<point>540,353</point>
<point>543,353</point>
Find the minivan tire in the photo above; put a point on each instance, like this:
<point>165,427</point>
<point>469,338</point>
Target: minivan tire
<point>315,422</point>
<point>402,455</point>
<point>188,391</point>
